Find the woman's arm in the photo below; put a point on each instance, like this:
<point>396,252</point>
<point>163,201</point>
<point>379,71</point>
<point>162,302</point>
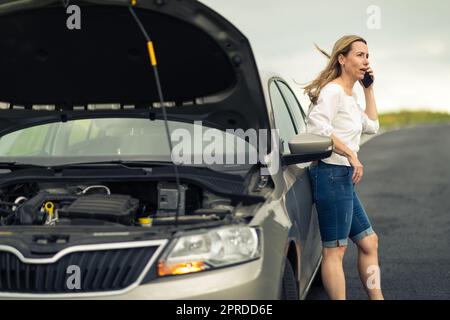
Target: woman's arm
<point>340,148</point>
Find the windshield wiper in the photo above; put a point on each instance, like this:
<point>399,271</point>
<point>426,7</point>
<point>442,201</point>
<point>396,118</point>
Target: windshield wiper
<point>19,165</point>
<point>122,163</point>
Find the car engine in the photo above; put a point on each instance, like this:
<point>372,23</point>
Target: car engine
<point>141,204</point>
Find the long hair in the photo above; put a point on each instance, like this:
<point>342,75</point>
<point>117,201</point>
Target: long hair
<point>333,68</point>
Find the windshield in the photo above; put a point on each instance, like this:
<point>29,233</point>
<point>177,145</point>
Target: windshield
<point>122,139</point>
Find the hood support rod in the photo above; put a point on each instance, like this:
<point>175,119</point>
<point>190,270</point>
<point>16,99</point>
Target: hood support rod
<point>152,56</point>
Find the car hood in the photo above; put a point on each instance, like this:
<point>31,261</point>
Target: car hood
<point>49,73</point>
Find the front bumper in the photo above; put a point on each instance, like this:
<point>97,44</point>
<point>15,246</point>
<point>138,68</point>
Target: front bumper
<point>248,281</point>
<point>245,281</point>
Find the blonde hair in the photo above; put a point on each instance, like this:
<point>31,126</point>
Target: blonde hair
<point>333,68</point>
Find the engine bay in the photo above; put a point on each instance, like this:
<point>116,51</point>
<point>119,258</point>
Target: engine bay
<point>96,203</point>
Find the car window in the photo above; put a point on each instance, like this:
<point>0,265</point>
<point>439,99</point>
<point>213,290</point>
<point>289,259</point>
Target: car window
<point>82,130</point>
<point>115,138</point>
<point>294,106</point>
<point>283,120</point>
<point>33,141</point>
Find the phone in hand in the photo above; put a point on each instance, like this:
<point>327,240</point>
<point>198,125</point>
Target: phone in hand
<point>367,81</point>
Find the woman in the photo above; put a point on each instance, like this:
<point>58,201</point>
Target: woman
<point>335,113</point>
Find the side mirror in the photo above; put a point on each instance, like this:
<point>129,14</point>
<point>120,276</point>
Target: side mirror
<point>306,147</point>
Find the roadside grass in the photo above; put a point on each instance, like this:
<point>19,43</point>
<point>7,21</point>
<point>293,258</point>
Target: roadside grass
<point>404,118</point>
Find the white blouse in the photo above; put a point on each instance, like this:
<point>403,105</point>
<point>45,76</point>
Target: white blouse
<point>338,113</point>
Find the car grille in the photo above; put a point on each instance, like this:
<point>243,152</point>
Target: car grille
<point>101,270</point>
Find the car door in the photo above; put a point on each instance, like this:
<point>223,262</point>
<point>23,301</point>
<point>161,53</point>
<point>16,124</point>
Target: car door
<point>288,114</point>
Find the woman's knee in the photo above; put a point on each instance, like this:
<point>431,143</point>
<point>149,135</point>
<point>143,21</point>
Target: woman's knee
<point>369,244</point>
<point>334,253</point>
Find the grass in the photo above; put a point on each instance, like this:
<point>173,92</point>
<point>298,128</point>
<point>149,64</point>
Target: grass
<point>406,118</point>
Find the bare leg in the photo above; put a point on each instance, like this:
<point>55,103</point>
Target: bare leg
<point>369,270</point>
<point>332,272</point>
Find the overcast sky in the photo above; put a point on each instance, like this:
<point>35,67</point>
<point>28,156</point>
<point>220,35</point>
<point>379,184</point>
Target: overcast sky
<point>410,53</point>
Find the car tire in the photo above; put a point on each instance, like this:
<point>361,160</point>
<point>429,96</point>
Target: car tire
<point>289,289</point>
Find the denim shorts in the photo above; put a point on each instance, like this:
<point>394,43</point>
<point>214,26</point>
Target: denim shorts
<point>340,212</point>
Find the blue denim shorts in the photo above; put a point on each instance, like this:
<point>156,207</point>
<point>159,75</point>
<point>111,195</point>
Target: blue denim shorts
<point>340,212</point>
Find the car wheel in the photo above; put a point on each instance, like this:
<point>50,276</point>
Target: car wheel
<point>289,290</point>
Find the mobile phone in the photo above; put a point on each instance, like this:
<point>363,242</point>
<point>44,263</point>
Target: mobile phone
<point>367,81</point>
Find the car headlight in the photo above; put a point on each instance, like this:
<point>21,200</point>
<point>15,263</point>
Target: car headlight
<point>212,249</point>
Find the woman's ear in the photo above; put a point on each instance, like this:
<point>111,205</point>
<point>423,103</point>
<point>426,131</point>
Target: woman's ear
<point>341,59</point>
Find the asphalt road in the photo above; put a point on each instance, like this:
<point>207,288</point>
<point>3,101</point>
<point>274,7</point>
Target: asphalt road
<point>406,193</point>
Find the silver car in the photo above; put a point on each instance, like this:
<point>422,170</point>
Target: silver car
<point>97,201</point>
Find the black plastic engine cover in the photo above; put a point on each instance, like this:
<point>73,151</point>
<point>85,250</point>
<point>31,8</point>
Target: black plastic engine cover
<point>114,208</point>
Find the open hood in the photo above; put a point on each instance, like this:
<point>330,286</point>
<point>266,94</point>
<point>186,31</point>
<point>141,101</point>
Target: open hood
<point>49,73</point>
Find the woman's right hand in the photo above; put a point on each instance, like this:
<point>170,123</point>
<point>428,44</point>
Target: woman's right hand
<point>358,169</point>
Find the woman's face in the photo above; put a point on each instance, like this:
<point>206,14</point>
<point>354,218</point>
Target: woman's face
<point>356,62</point>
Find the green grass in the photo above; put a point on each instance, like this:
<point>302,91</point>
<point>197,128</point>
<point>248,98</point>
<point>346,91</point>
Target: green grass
<point>406,118</point>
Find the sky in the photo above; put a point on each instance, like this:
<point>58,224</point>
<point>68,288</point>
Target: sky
<point>408,40</point>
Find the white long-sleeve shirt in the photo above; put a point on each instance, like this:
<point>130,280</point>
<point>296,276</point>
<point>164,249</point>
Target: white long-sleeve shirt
<point>338,113</point>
